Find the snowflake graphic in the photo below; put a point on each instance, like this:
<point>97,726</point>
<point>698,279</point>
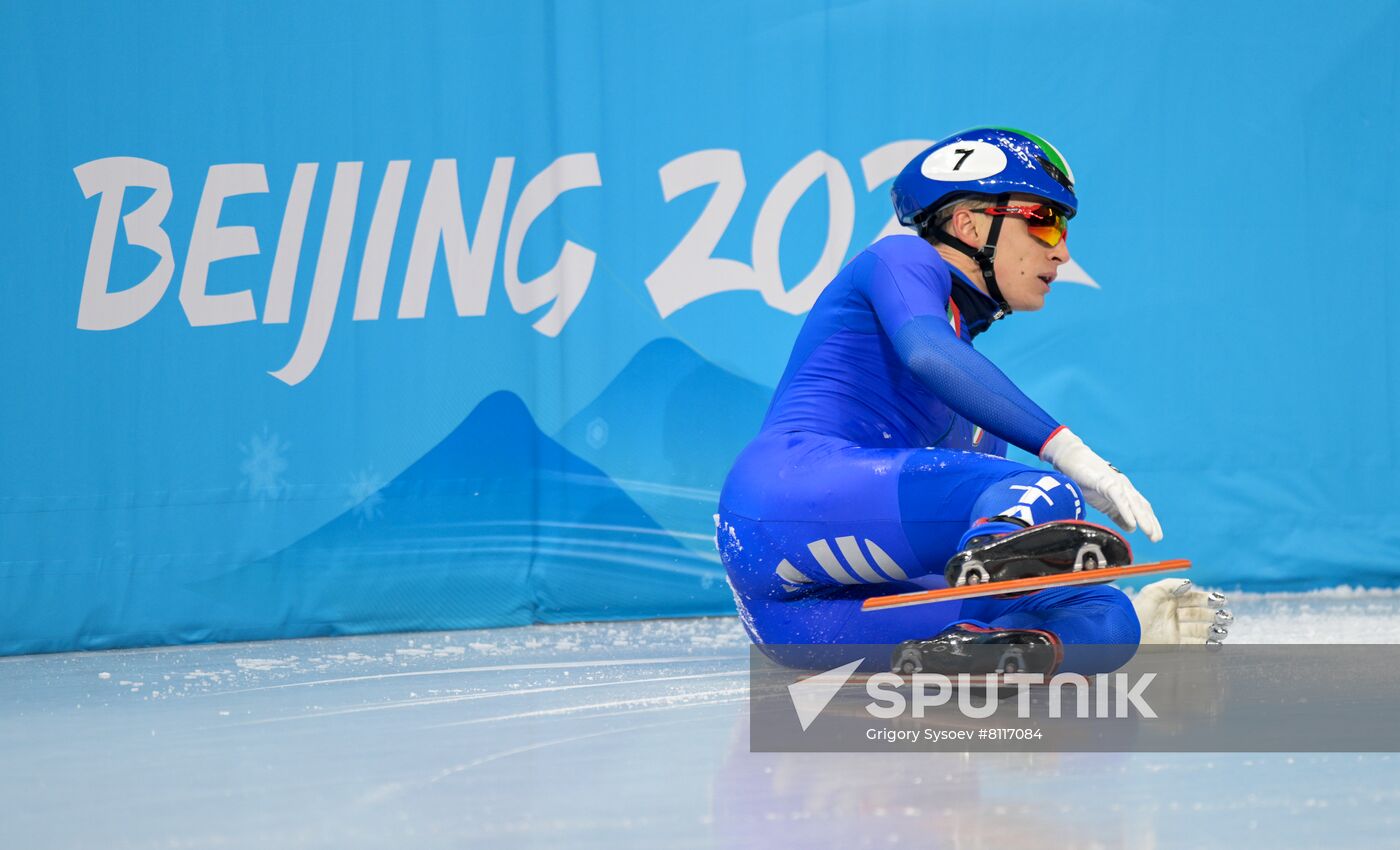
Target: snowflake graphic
<point>597,433</point>
<point>264,461</point>
<point>364,496</point>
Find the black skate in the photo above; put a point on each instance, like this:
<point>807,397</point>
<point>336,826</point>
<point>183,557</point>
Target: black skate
<point>1058,547</point>
<point>964,648</point>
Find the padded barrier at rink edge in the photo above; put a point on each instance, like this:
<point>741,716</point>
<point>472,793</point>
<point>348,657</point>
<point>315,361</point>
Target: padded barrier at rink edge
<point>328,318</point>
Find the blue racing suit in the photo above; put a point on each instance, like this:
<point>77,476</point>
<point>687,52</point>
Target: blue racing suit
<point>884,445</point>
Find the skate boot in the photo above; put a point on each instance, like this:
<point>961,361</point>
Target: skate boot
<point>965,648</point>
<point>1063,546</point>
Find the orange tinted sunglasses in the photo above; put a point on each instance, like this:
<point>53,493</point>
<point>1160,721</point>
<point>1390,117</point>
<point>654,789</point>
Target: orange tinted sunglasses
<point>1045,222</point>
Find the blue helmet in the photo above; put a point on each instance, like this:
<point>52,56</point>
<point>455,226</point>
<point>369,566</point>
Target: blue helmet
<point>983,161</point>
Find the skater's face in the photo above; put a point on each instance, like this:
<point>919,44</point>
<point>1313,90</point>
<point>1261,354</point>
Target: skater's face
<point>1025,266</point>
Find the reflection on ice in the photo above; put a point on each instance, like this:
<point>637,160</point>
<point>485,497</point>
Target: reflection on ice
<point>602,735</point>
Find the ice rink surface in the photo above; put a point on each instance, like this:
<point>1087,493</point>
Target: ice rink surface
<point>605,735</point>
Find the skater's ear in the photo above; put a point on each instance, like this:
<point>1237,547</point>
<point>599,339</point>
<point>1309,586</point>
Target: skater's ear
<point>961,221</point>
<point>968,226</point>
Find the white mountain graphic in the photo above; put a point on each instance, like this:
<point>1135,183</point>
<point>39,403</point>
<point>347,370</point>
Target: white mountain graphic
<point>1072,272</point>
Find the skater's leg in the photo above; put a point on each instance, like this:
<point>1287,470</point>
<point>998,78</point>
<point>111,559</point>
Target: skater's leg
<point>913,506</point>
<point>1096,624</point>
<point>783,605</point>
<point>1032,496</point>
<point>810,527</point>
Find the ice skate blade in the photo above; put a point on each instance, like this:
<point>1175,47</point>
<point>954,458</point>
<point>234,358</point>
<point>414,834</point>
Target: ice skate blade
<point>1022,585</point>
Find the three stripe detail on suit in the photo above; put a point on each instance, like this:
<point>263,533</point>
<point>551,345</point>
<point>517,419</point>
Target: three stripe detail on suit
<point>856,568</point>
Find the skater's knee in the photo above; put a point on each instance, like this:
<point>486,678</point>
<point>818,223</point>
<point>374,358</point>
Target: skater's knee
<point>1114,610</point>
<point>1097,625</point>
<point>1114,637</point>
<point>1033,496</point>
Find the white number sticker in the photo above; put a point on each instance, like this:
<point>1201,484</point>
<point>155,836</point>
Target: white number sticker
<point>964,161</point>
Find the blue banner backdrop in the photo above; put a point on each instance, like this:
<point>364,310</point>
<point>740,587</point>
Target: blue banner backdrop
<point>324,318</point>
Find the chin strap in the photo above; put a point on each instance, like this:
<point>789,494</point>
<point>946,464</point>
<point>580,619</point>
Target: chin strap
<point>983,256</point>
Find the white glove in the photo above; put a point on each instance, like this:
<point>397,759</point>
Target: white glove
<point>1105,487</point>
<point>1172,612</point>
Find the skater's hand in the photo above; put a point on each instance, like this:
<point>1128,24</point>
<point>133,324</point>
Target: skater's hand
<point>1105,487</point>
<point>1173,612</point>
